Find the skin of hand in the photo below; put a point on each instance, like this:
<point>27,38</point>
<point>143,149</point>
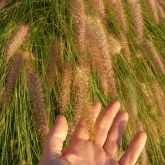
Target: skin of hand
<point>101,150</point>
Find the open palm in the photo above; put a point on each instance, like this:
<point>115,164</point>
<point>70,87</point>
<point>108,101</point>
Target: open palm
<point>101,150</point>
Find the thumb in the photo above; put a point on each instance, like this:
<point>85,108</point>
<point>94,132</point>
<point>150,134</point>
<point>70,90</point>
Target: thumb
<point>55,139</point>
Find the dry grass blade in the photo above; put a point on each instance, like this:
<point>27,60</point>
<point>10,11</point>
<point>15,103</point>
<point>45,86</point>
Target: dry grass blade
<point>125,47</point>
<point>61,52</point>
<point>149,98</point>
<point>132,100</point>
<point>52,65</point>
<point>37,100</point>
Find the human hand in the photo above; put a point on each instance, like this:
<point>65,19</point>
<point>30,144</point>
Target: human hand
<point>101,150</point>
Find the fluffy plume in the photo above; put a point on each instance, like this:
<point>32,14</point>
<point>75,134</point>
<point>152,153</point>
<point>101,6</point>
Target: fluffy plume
<point>153,9</point>
<point>52,65</point>
<point>97,36</point>
<point>14,67</point>
<point>97,60</point>
<point>139,126</point>
<point>66,81</point>
<point>154,130</point>
<point>17,40</point>
<point>152,51</point>
<point>78,12</point>
<point>155,133</point>
<point>82,97</point>
<point>81,84</point>
<point>162,3</point>
<point>120,12</point>
<point>159,97</point>
<point>161,12</point>
<point>144,157</point>
<point>139,55</point>
<point>125,47</point>
<point>149,98</point>
<point>37,100</point>
<point>99,6</point>
<point>3,3</point>
<point>136,12</point>
<point>114,45</point>
<point>146,93</point>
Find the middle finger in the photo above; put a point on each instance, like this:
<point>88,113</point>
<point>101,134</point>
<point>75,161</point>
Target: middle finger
<point>104,123</point>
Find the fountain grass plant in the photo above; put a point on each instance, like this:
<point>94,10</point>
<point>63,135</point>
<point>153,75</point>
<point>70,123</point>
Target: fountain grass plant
<point>52,20</point>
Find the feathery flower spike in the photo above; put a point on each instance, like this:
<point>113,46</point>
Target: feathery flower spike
<point>97,34</point>
<point>82,97</point>
<point>152,51</point>
<point>78,12</point>
<point>37,100</point>
<point>97,61</point>
<point>16,41</point>
<point>11,78</point>
<point>143,156</point>
<point>65,87</point>
<point>161,12</point>
<point>114,45</point>
<point>99,5</point>
<point>162,3</point>
<point>120,12</point>
<point>136,12</point>
<point>3,3</point>
<point>153,9</point>
<point>52,65</point>
<point>159,97</point>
